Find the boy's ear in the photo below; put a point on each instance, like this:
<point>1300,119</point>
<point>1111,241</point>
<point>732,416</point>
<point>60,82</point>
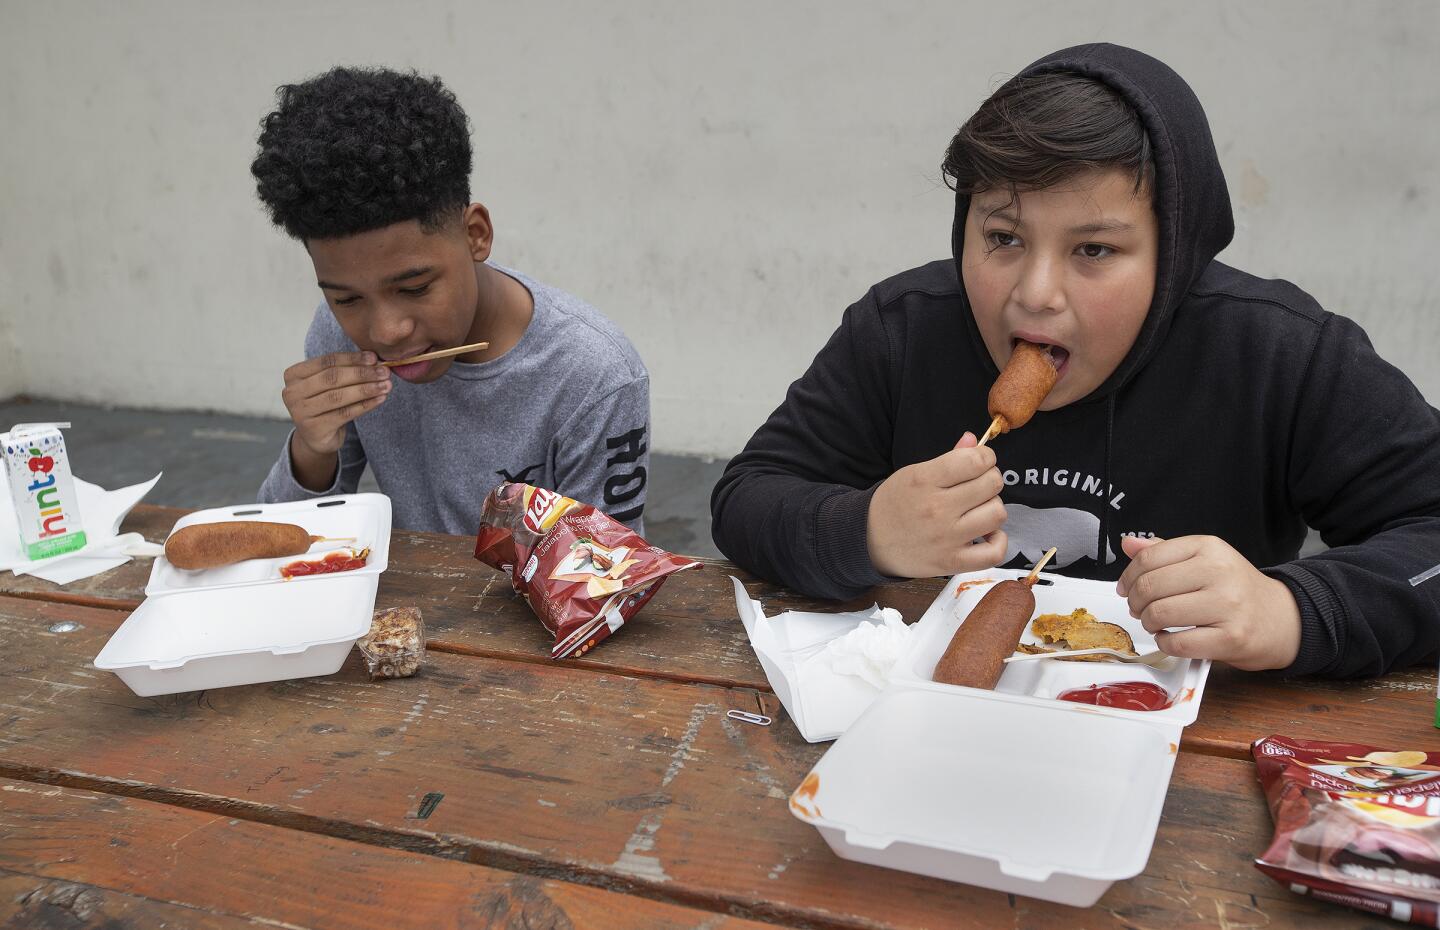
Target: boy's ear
<point>478,231</point>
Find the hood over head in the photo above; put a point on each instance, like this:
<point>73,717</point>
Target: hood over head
<point>1192,203</point>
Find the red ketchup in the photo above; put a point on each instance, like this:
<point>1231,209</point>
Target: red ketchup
<point>1127,695</point>
<point>334,562</point>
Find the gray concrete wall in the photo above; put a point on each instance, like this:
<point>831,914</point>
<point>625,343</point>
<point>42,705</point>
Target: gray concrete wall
<point>12,379</point>
<point>721,178</point>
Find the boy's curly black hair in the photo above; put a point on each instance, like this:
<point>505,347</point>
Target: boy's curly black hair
<point>356,149</point>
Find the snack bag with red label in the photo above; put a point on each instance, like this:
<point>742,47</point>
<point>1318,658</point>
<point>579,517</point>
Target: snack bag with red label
<point>1354,825</point>
<point>582,572</point>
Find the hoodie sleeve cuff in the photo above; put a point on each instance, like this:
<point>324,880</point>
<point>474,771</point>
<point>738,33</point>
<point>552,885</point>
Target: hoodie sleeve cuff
<point>842,541</point>
<point>1320,611</point>
<point>292,486</point>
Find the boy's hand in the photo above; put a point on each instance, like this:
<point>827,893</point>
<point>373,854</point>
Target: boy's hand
<point>323,394</point>
<point>925,519</point>
<point>1240,616</point>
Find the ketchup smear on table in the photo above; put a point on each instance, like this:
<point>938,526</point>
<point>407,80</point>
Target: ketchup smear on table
<point>1128,695</point>
<point>334,562</point>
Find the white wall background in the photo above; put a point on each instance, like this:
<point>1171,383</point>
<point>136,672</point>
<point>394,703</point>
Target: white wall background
<point>720,178</point>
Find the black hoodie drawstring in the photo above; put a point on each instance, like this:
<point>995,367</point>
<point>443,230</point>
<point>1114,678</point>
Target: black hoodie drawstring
<point>1105,480</point>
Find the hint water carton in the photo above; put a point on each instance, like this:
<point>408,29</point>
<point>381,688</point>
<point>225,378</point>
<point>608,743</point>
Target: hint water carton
<point>46,509</point>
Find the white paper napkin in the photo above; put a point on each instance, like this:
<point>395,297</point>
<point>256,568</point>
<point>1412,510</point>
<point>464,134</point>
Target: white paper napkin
<point>791,647</point>
<point>101,512</point>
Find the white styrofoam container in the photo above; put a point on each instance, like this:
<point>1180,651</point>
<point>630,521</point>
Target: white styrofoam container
<point>1042,679</point>
<point>1008,789</point>
<point>216,628</point>
<point>366,517</point>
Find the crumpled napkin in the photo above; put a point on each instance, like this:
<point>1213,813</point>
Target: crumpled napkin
<point>794,650</point>
<point>101,512</point>
<point>871,649</point>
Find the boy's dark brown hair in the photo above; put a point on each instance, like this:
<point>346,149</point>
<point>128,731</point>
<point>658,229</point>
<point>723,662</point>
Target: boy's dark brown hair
<point>1039,130</point>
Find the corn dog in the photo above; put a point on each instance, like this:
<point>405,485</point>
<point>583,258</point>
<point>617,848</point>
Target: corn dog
<point>1020,389</point>
<point>210,545</point>
<point>976,654</point>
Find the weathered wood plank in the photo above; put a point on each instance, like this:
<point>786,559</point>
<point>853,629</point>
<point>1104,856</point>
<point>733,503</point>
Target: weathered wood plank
<point>689,632</point>
<point>29,902</point>
<point>213,871</point>
<point>640,785</point>
<point>1395,711</point>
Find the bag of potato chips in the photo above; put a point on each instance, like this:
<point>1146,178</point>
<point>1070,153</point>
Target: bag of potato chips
<point>582,572</point>
<point>1354,825</point>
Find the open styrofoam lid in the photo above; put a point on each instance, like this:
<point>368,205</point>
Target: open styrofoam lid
<point>1008,779</point>
<point>366,517</point>
<point>281,619</point>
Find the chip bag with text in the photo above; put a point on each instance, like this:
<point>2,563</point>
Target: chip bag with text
<point>1354,825</point>
<point>582,572</point>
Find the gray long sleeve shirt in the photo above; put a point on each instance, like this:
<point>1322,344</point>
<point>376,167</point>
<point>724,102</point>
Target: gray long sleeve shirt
<point>568,408</point>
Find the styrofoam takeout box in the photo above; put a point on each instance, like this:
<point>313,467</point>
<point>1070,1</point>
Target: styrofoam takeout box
<point>243,624</point>
<point>1008,789</point>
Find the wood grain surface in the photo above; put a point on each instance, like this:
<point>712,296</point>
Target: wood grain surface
<point>78,858</point>
<point>635,785</point>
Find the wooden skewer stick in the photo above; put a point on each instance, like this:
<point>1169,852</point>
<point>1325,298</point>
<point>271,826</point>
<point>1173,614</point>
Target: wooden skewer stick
<point>997,426</point>
<point>1035,572</point>
<point>441,353</point>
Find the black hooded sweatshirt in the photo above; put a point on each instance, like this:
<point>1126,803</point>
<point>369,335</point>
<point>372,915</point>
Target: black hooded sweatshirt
<point>1243,411</point>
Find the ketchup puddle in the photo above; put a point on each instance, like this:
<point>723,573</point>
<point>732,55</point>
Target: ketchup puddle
<point>1127,695</point>
<point>342,561</point>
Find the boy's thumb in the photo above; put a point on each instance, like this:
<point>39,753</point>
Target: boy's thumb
<point>1134,545</point>
<point>967,441</point>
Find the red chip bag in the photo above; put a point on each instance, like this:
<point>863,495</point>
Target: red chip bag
<point>582,572</point>
<point>1354,825</point>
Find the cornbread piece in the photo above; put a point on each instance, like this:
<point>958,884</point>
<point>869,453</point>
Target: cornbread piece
<point>395,645</point>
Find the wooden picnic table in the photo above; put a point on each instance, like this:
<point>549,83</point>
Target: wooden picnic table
<point>501,788</point>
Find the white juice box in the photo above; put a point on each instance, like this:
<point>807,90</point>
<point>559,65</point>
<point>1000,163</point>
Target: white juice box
<point>46,508</point>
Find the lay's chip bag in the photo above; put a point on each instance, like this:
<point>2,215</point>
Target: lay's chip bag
<point>582,572</point>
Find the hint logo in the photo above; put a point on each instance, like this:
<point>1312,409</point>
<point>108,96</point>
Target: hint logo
<point>52,512</point>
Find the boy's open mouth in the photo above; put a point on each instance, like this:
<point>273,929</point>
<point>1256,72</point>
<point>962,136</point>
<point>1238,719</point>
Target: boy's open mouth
<point>1058,355</point>
<point>414,370</point>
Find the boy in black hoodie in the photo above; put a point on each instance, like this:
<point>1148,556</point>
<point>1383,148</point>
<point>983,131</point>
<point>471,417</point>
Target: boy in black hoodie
<point>1202,417</point>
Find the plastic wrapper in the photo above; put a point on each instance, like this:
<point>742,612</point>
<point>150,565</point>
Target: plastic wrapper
<point>582,572</point>
<point>1354,825</point>
<point>395,645</point>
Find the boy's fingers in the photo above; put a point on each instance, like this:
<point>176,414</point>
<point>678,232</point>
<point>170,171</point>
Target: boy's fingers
<point>960,465</point>
<point>320,363</point>
<point>337,419</point>
<point>986,553</point>
<point>1154,555</point>
<point>332,379</point>
<point>337,399</point>
<point>983,520</point>
<point>1203,642</point>
<point>1185,605</point>
<point>1134,545</point>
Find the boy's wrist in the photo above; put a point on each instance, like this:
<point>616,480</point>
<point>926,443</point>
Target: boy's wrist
<point>1285,611</point>
<point>313,471</point>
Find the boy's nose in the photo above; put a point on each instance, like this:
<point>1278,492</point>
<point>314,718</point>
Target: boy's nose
<point>390,327</point>
<point>1040,288</point>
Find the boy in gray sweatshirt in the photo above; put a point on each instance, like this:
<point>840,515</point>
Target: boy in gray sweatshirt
<point>369,169</point>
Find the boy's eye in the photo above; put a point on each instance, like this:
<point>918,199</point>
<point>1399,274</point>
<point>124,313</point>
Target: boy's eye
<point>1000,239</point>
<point>346,301</point>
<point>1096,250</point>
<point>415,291</point>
